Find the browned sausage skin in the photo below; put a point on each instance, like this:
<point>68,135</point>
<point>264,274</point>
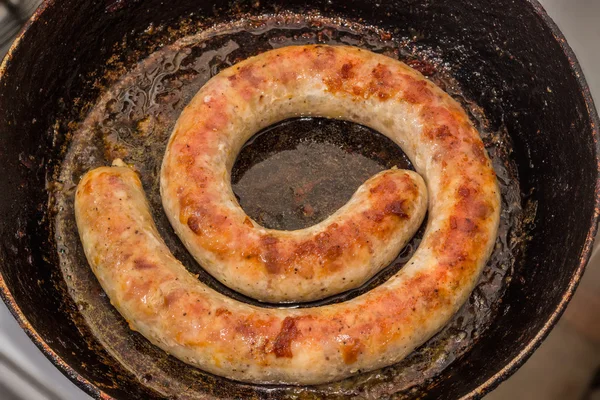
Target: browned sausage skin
<point>338,82</point>
<point>338,254</point>
<point>169,306</point>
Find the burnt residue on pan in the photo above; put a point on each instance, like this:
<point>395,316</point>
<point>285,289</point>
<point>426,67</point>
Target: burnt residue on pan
<point>289,176</point>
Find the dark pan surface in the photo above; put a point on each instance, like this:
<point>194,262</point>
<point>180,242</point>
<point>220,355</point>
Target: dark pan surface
<point>291,176</point>
<point>494,58</point>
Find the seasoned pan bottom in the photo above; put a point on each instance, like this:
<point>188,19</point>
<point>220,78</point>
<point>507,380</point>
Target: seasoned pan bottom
<point>289,176</point>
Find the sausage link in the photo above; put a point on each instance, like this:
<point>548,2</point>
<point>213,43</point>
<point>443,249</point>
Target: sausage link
<point>176,312</point>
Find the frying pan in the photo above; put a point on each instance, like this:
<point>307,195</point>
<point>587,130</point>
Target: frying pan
<point>504,60</point>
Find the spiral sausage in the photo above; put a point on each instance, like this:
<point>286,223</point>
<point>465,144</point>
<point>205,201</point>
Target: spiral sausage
<point>335,255</point>
<point>175,311</point>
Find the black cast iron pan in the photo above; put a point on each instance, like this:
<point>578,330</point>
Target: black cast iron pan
<point>90,81</point>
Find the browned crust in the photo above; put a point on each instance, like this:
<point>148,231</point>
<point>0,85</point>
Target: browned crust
<point>392,201</point>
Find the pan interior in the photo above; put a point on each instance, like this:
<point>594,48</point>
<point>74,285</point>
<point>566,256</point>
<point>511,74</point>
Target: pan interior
<point>296,173</point>
<point>133,119</point>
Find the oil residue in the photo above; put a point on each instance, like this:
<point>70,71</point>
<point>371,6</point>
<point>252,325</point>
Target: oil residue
<point>296,173</point>
<point>292,175</point>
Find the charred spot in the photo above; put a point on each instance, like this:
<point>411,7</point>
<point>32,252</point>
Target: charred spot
<point>351,349</point>
<point>416,91</point>
<point>467,225</point>
<point>141,264</point>
<point>375,216</point>
<point>428,115</point>
<point>453,223</point>
<point>247,330</point>
<point>385,186</point>
<point>200,220</point>
<point>328,246</point>
<point>282,347</point>
<point>443,132</point>
<point>254,328</point>
<point>482,210</point>
<point>464,191</point>
<point>323,238</point>
<point>431,293</point>
<point>409,185</point>
<point>194,224</point>
<point>247,73</point>
<point>305,248</point>
<point>463,224</point>
<point>346,71</point>
<point>186,205</point>
<point>381,73</point>
<point>222,311</point>
<point>471,206</point>
<point>383,95</point>
<point>454,244</point>
<point>397,208</point>
<point>270,254</point>
<point>334,84</point>
<point>382,84</point>
<point>334,252</point>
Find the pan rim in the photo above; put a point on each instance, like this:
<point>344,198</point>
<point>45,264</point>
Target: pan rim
<point>527,351</point>
<point>493,381</point>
